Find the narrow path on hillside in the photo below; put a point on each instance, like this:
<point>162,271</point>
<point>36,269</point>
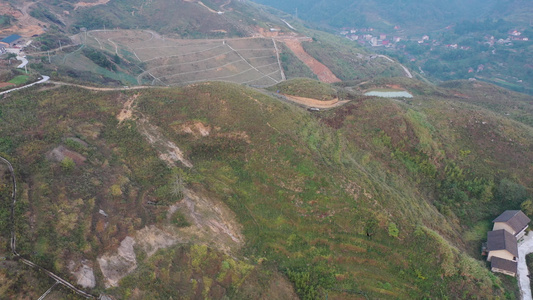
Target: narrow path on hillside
<point>89,4</point>
<point>14,238</point>
<point>223,6</point>
<point>104,89</point>
<point>324,73</point>
<point>407,72</point>
<point>249,64</point>
<point>283,78</point>
<point>310,102</point>
<point>525,247</point>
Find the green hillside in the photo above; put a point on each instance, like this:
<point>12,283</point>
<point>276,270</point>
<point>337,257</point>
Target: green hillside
<point>304,87</point>
<point>378,198</point>
<point>160,162</point>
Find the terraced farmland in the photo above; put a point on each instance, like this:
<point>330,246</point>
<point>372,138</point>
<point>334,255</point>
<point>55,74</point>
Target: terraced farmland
<point>164,61</point>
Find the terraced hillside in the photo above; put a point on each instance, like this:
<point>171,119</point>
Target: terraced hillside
<point>165,61</point>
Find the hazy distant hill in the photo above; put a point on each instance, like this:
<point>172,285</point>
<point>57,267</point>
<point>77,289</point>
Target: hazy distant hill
<point>428,14</point>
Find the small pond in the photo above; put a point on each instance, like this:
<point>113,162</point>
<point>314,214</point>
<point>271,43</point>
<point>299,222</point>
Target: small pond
<point>390,94</point>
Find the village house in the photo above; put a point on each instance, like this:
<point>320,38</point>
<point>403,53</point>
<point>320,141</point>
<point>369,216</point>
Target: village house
<point>513,221</point>
<point>502,247</point>
<point>500,265</point>
<point>502,252</point>
<point>10,41</point>
<point>502,244</point>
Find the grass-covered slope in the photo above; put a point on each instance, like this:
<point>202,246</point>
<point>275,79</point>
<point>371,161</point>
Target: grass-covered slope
<point>305,87</point>
<point>377,199</point>
<point>347,60</point>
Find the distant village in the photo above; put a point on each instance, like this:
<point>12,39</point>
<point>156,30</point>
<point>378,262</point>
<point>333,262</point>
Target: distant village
<point>369,37</point>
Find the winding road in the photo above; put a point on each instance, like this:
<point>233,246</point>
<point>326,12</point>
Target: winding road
<point>43,80</point>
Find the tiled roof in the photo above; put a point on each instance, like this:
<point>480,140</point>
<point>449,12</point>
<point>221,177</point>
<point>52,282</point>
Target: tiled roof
<point>504,264</point>
<point>502,240</point>
<point>516,219</point>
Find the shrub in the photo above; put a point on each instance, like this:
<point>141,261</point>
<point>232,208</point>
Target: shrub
<point>393,230</point>
<point>67,164</point>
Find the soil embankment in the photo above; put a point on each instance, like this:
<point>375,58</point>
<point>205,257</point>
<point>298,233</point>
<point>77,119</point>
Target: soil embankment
<point>324,73</point>
<point>314,102</point>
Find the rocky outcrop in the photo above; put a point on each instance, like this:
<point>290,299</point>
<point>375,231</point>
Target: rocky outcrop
<point>115,267</point>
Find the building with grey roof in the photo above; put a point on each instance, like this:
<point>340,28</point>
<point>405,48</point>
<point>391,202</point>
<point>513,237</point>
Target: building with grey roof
<point>502,244</point>
<point>512,221</point>
<point>504,266</point>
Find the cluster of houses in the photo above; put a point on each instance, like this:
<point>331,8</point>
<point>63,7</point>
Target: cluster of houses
<point>364,35</point>
<point>514,35</point>
<point>501,247</point>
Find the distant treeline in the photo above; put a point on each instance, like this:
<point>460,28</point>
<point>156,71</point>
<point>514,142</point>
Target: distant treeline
<point>467,26</point>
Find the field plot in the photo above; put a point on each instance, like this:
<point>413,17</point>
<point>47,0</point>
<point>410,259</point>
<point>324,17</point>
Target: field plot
<point>175,62</point>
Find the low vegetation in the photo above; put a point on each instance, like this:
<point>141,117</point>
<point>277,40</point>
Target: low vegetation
<point>304,87</point>
<point>20,79</point>
<point>346,61</point>
<point>377,199</point>
<point>292,66</point>
<point>345,203</point>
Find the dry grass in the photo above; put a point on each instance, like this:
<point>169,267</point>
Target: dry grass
<point>175,61</point>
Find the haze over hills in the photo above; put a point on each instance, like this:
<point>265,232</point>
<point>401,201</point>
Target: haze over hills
<point>414,16</point>
<point>444,40</point>
<point>178,153</point>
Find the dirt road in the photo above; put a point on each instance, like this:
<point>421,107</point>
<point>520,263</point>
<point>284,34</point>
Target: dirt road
<point>324,73</point>
<point>89,4</point>
<point>310,102</point>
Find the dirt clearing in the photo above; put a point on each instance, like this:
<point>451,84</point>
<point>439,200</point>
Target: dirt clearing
<point>25,25</point>
<point>89,4</point>
<point>5,84</point>
<point>324,73</point>
<point>316,103</point>
<point>127,112</point>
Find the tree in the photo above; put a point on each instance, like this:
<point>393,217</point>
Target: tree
<point>510,193</point>
<point>527,207</point>
<point>116,59</point>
